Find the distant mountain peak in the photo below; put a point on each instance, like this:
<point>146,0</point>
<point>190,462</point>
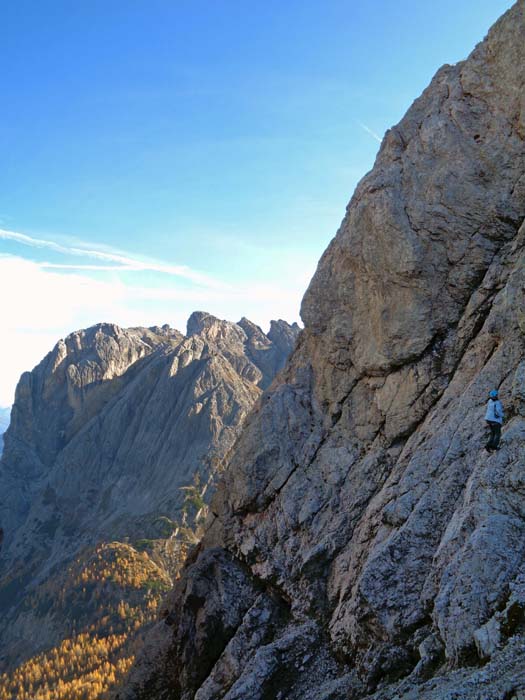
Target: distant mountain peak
<point>106,430</point>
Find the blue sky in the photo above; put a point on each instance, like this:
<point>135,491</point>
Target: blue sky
<point>203,151</point>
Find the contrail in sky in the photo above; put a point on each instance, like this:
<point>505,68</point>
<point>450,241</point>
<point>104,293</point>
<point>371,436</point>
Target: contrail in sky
<point>370,131</point>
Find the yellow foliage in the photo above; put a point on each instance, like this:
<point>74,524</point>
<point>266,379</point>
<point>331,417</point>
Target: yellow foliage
<point>83,668</point>
<point>120,589</point>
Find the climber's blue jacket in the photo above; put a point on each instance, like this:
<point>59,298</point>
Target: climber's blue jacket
<point>494,411</point>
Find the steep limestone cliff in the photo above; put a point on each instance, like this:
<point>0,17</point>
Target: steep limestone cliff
<point>361,534</point>
<point>104,433</point>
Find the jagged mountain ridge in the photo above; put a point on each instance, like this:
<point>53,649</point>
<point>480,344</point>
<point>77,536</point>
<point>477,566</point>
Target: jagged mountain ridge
<point>361,534</point>
<point>105,431</point>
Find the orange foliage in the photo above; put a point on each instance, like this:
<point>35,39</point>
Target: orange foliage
<point>115,592</point>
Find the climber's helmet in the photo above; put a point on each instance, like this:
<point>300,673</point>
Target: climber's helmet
<point>493,394</point>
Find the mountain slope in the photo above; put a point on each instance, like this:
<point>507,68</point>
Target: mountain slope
<point>104,433</point>
<point>361,534</point>
<point>108,595</point>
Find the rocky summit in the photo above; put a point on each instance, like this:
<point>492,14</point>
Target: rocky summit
<point>104,433</point>
<point>362,542</point>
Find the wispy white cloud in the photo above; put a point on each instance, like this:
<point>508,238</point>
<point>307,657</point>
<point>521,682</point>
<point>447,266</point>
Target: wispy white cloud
<point>92,268</point>
<point>370,131</point>
<point>125,262</point>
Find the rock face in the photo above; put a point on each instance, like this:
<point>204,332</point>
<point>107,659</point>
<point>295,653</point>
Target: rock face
<point>109,426</point>
<point>363,532</point>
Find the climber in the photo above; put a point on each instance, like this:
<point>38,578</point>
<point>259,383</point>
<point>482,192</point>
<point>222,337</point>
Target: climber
<point>494,418</point>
